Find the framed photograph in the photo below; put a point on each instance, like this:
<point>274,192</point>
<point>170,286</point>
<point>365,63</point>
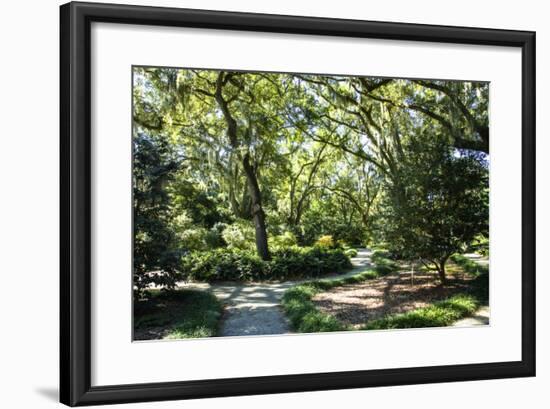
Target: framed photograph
<point>257,204</point>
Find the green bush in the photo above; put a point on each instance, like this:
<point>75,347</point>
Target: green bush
<point>480,245</point>
<point>239,235</point>
<point>287,239</point>
<point>223,265</point>
<point>193,239</point>
<point>470,266</point>
<point>384,269</point>
<point>351,252</point>
<point>326,241</point>
<point>294,262</point>
<point>243,265</point>
<point>213,237</point>
<point>180,313</point>
<point>480,285</point>
<point>384,263</point>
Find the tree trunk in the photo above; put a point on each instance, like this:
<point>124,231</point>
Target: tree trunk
<point>441,271</point>
<point>442,276</point>
<point>258,215</point>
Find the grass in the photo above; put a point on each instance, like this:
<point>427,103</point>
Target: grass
<point>305,317</point>
<point>480,286</point>
<point>384,265</point>
<point>440,314</point>
<point>470,266</point>
<point>302,313</point>
<point>178,314</point>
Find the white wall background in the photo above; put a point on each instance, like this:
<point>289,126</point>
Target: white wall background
<point>29,203</point>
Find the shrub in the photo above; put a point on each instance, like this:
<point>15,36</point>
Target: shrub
<point>326,241</point>
<point>223,265</point>
<point>383,261</point>
<point>384,269</point>
<point>287,239</point>
<point>303,315</point>
<point>380,254</point>
<point>470,266</point>
<point>480,285</point>
<point>351,252</point>
<point>239,236</point>
<point>214,238</point>
<point>480,245</point>
<point>440,314</point>
<point>243,265</point>
<point>180,313</point>
<point>297,262</point>
<point>193,239</point>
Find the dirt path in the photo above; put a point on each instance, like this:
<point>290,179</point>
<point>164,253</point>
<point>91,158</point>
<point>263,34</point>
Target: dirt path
<point>356,304</point>
<point>255,308</point>
<point>395,293</point>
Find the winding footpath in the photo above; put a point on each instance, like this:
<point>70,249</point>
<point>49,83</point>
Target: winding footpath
<point>255,308</point>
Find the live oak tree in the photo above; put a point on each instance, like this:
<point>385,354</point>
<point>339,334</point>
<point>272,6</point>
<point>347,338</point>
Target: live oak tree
<point>308,155</point>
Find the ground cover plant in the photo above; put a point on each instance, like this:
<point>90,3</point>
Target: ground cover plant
<point>361,308</point>
<point>303,314</point>
<point>176,314</point>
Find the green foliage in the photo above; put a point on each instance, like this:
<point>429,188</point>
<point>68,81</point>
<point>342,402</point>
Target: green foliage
<point>179,313</point>
<point>439,314</point>
<point>305,317</point>
<point>358,159</point>
<point>437,202</point>
<point>480,245</point>
<point>384,263</point>
<point>281,241</point>
<point>239,236</point>
<point>214,238</point>
<point>326,241</point>
<point>480,286</point>
<point>245,265</point>
<point>201,208</point>
<point>155,247</point>
<point>470,266</point>
<point>223,265</point>
<point>296,262</point>
<point>194,239</point>
<point>350,252</point>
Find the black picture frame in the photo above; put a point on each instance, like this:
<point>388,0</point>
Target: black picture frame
<point>75,203</point>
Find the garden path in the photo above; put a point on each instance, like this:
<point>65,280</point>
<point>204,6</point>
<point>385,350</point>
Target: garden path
<point>481,316</point>
<point>255,308</point>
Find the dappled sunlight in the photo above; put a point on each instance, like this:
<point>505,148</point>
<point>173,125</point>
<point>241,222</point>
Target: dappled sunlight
<point>356,304</point>
<point>250,186</point>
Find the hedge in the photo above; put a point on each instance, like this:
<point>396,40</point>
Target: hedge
<point>244,265</point>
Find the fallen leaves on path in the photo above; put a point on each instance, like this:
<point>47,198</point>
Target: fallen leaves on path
<point>355,304</point>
